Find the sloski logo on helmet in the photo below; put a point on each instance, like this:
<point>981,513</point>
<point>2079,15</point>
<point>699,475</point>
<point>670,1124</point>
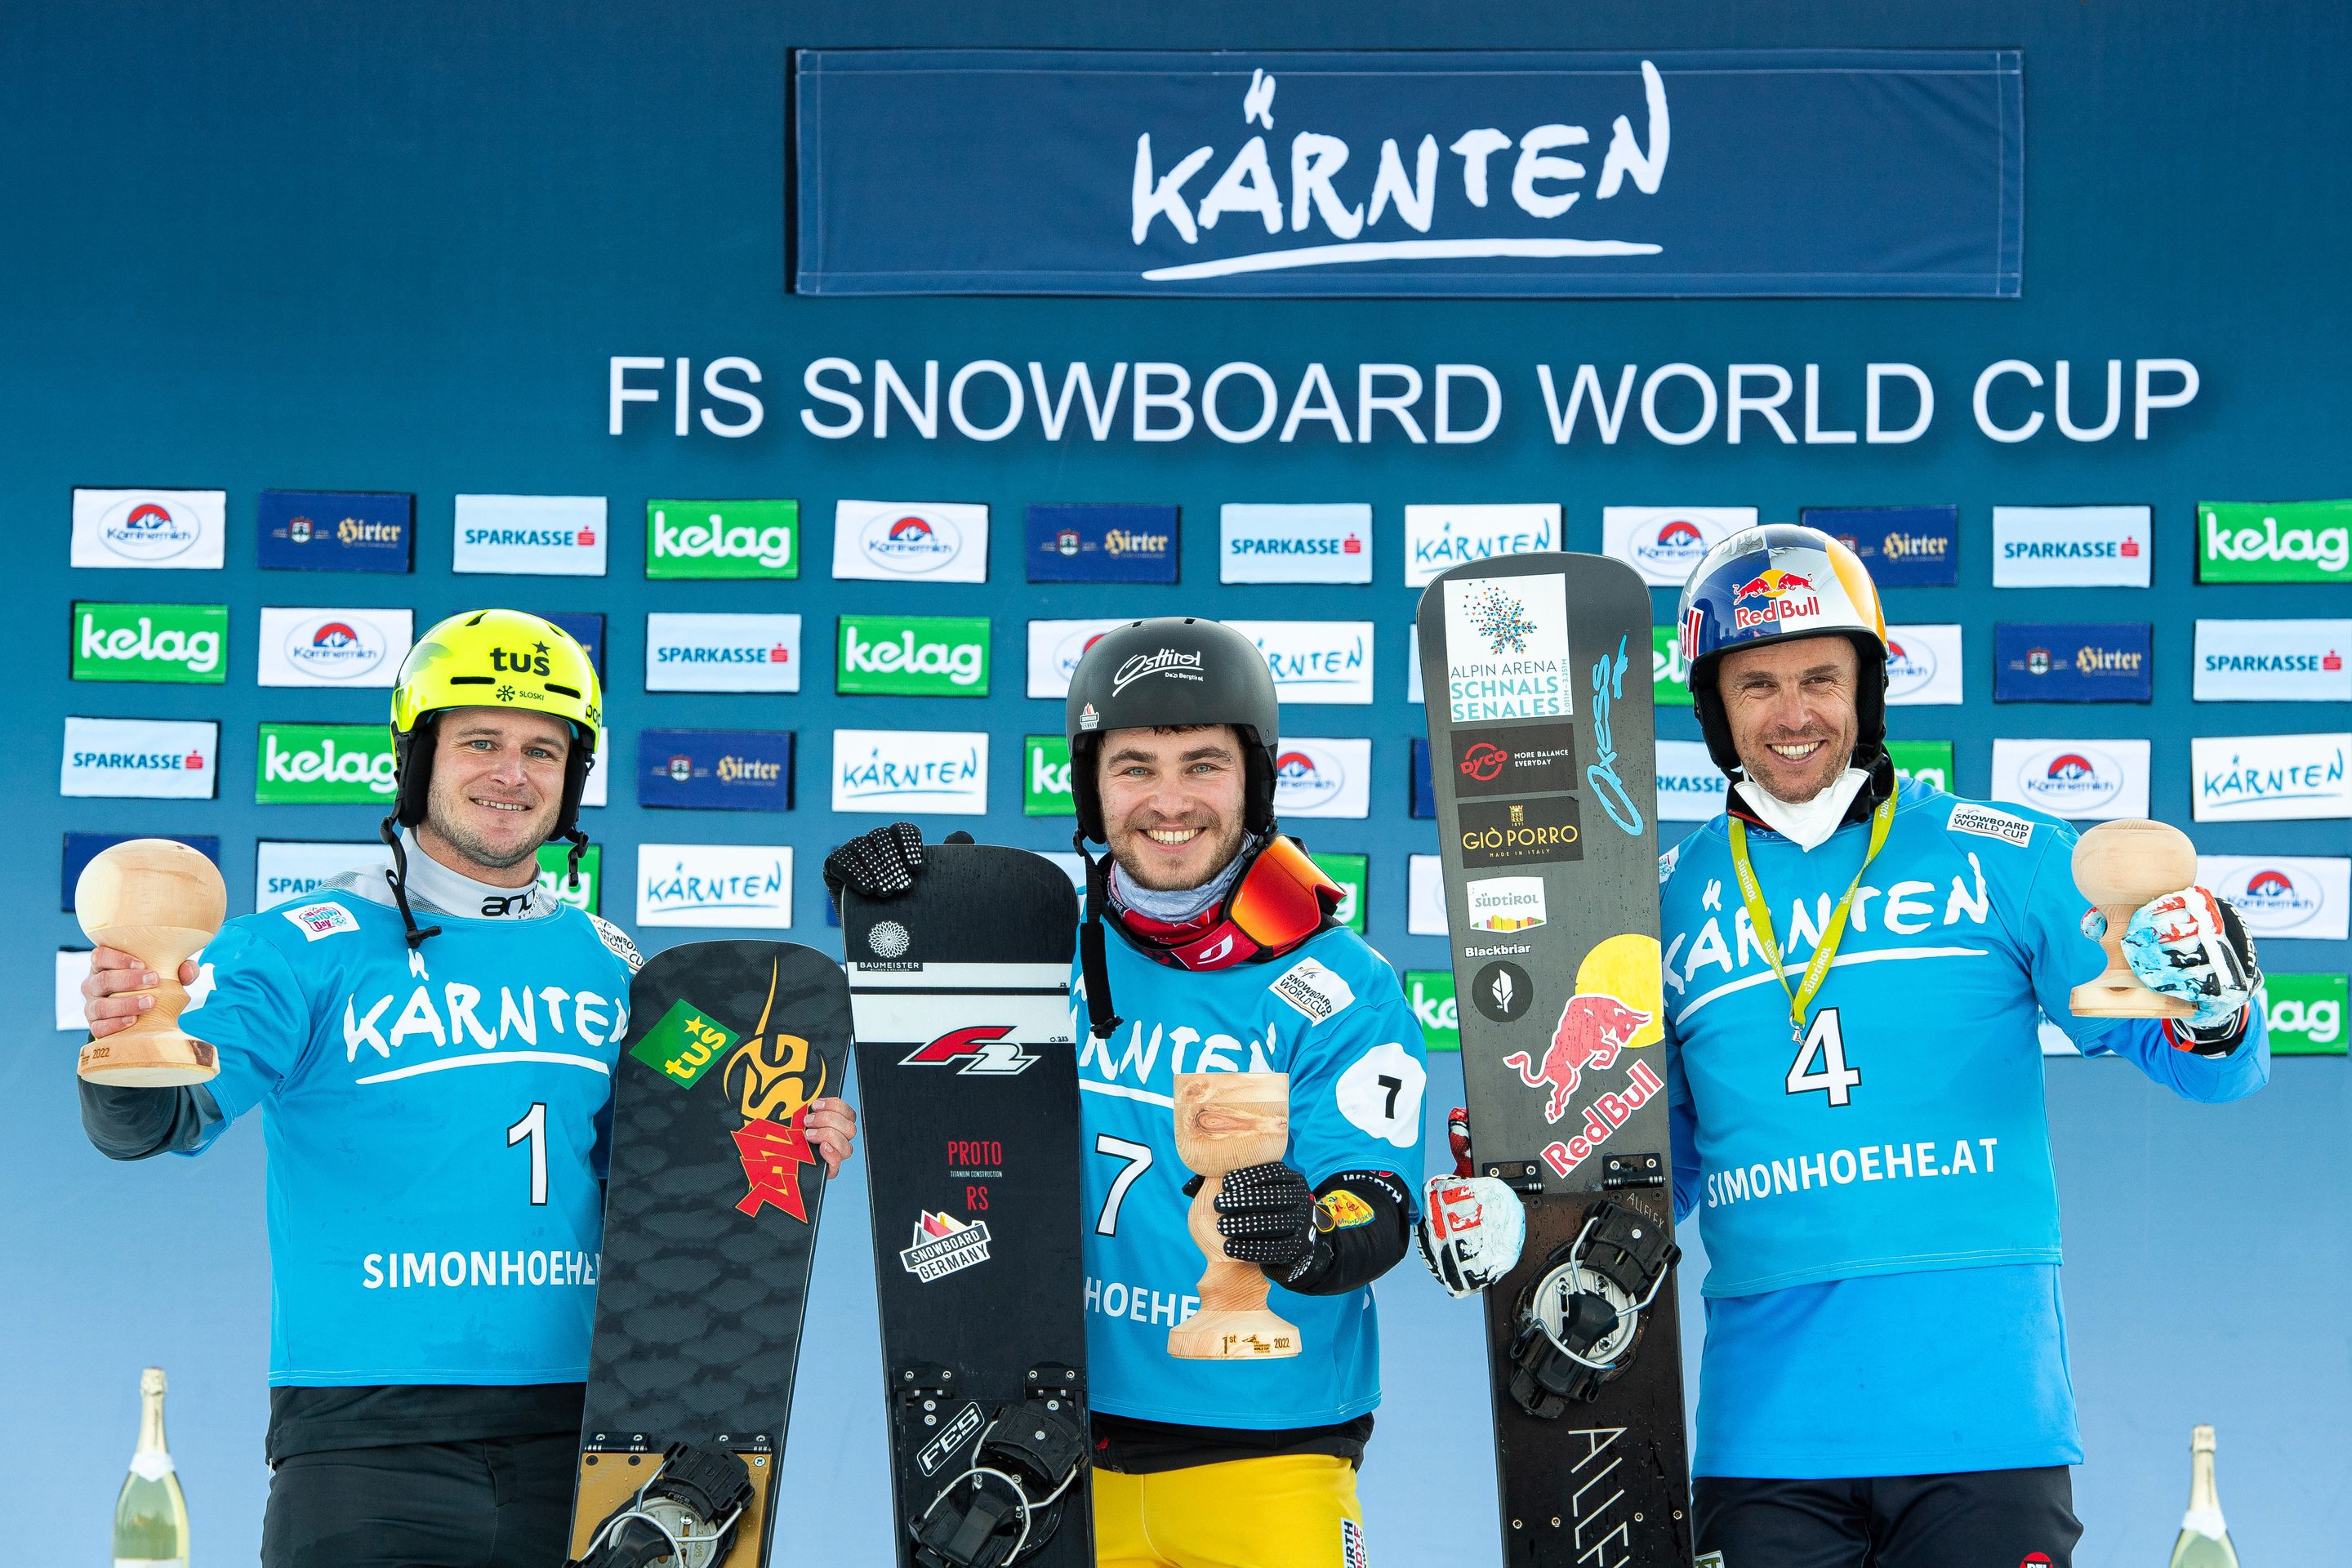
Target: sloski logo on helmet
<point>1167,661</point>
<point>980,1049</point>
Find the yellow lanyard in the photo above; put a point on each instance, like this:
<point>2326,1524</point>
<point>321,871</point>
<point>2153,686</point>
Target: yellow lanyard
<point>1751,893</point>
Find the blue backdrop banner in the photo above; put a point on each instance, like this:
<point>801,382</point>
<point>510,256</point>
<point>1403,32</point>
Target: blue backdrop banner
<point>1757,171</point>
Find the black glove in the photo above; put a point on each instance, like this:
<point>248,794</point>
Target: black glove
<point>1268,1217</point>
<point>880,863</point>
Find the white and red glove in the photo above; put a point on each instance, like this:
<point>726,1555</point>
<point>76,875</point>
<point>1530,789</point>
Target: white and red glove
<point>1472,1228</point>
<point>2192,945</point>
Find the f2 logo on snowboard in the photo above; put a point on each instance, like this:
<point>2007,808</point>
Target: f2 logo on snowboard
<point>978,1048</point>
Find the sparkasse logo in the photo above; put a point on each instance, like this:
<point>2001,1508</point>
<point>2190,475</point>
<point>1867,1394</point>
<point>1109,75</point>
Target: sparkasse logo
<point>695,652</point>
<point>1311,543</point>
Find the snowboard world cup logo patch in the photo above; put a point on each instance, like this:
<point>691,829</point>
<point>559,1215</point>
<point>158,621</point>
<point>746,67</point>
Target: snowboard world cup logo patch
<point>773,1078</point>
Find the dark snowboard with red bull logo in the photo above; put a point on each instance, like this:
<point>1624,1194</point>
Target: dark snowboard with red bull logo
<point>710,1216</point>
<point>1537,675</point>
<point>967,1073</point>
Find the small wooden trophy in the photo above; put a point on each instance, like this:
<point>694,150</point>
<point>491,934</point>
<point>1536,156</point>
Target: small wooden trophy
<point>2120,865</point>
<point>159,901</point>
<point>1225,1121</point>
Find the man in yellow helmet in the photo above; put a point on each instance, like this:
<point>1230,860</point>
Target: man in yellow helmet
<point>431,1050</point>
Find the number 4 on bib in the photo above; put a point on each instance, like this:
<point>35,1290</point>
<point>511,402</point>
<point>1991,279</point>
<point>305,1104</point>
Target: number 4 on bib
<point>1824,1043</point>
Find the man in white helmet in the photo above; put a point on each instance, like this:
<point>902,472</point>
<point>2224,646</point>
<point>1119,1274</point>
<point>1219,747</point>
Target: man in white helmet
<point>1855,976</point>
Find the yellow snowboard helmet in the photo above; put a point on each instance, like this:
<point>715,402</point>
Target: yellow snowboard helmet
<point>494,659</point>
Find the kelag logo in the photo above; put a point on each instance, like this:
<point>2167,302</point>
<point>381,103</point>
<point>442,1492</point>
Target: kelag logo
<point>2071,546</point>
<point>1349,871</point>
<point>172,529</point>
<point>1312,543</point>
<point>1903,546</point>
<point>335,530</point>
<point>2274,661</point>
<point>722,540</point>
<point>2084,780</point>
<point>555,876</point>
<point>324,764</point>
<point>538,536</point>
<point>1315,661</point>
<point>1055,649</point>
<point>1322,778</point>
<point>2274,542</point>
<point>175,643</point>
<point>716,769</point>
<point>912,656</point>
<point>2305,1013</point>
<point>1669,671</point>
<point>1102,544</point>
<point>746,886</point>
<point>2299,895</point>
<point>910,772</point>
<point>1437,538</point>
<point>2268,778</point>
<point>2071,662</point>
<point>937,541</point>
<point>1431,993</point>
<point>332,647</point>
<point>722,653</point>
<point>154,759</point>
<point>1045,777</point>
<point>1664,542</point>
<point>1525,759</point>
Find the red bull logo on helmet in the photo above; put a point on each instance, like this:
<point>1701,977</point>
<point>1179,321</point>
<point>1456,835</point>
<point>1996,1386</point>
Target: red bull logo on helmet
<point>1784,597</point>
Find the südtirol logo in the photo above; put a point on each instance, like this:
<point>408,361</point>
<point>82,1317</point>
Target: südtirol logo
<point>1669,671</point>
<point>912,656</point>
<point>324,764</point>
<point>2274,542</point>
<point>178,643</point>
<point>713,540</point>
<point>1505,903</point>
<point>684,1044</point>
<point>1506,648</point>
<point>1045,777</point>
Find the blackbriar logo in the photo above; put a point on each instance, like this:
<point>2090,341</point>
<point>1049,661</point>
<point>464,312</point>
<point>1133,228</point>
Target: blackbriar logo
<point>324,764</point>
<point>1177,663</point>
<point>150,642</point>
<point>913,656</point>
<point>722,539</point>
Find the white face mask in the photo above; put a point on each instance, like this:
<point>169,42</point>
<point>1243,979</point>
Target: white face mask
<point>1807,824</point>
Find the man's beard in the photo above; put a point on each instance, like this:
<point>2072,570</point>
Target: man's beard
<point>1228,845</point>
<point>467,843</point>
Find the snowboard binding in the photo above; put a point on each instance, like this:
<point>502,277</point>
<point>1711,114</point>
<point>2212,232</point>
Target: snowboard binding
<point>1579,1323</point>
<point>683,1517</point>
<point>1007,1502</point>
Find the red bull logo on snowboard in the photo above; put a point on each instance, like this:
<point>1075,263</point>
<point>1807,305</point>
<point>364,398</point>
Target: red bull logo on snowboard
<point>1785,596</point>
<point>1607,1113</point>
<point>1593,1028</point>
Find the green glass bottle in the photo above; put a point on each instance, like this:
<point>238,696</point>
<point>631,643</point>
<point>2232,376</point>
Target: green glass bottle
<point>2204,1540</point>
<point>150,1516</point>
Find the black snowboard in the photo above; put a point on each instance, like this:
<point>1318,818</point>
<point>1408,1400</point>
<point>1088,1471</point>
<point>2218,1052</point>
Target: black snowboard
<point>967,1081</point>
<point>709,1219</point>
<point>1537,676</point>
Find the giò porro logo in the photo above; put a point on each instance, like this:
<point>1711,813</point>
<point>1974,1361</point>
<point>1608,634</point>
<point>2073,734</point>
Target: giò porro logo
<point>177,643</point>
<point>715,540</point>
<point>912,656</point>
<point>324,764</point>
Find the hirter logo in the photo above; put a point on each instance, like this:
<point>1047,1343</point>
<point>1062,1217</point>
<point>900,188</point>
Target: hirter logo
<point>978,1048</point>
<point>1680,534</point>
<point>1066,541</point>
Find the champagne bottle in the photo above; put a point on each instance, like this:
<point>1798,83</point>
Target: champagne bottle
<point>2204,1540</point>
<point>150,1516</point>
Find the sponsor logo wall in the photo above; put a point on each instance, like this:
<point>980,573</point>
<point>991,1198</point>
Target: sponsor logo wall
<point>716,769</point>
<point>2271,778</point>
<point>537,536</point>
<point>155,759</point>
<point>1903,546</point>
<point>912,656</point>
<point>1331,543</point>
<point>734,884</point>
<point>1438,538</point>
<point>1102,544</point>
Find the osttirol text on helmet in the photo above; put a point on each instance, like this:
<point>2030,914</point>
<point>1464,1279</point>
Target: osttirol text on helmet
<point>1771,584</point>
<point>1172,670</point>
<point>494,659</point>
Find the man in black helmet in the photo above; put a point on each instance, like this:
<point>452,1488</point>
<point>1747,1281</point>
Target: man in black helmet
<point>1209,946</point>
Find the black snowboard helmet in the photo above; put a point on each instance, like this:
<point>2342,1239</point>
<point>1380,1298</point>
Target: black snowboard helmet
<point>1172,671</point>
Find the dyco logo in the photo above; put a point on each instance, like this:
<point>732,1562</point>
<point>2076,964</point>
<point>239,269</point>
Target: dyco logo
<point>1167,661</point>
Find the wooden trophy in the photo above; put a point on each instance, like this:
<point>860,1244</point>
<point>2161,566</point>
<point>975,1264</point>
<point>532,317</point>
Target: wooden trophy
<point>159,901</point>
<point>1225,1121</point>
<point>2120,865</point>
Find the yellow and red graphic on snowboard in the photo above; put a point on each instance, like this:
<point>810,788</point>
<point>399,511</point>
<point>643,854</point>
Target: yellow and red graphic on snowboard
<point>770,1078</point>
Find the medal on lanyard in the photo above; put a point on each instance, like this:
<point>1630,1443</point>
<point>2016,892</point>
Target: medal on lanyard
<point>1751,893</point>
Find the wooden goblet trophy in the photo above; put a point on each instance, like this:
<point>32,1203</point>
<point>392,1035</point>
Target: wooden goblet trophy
<point>2120,865</point>
<point>159,901</point>
<point>1225,1121</point>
